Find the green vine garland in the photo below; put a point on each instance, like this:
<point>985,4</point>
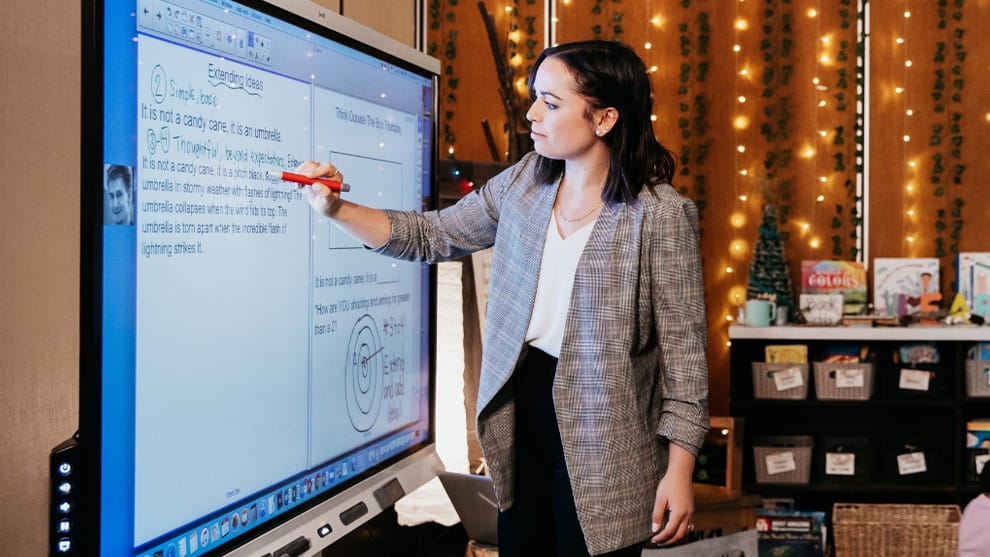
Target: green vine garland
<point>955,127</point>
<point>614,21</point>
<point>693,110</point>
<point>849,185</point>
<point>450,80</point>
<point>776,47</point>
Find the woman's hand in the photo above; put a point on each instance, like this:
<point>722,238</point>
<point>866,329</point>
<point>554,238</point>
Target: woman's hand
<point>320,197</point>
<point>675,497</point>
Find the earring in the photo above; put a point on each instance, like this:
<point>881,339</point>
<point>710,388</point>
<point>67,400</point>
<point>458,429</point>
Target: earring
<point>598,133</point>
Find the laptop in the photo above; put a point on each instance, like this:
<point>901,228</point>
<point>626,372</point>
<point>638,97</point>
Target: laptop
<point>474,500</point>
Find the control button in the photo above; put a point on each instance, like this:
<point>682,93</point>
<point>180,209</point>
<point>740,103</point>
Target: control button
<point>65,488</point>
<point>324,530</point>
<point>64,469</point>
<point>64,526</point>
<point>65,507</point>
<point>64,545</point>
<point>352,514</point>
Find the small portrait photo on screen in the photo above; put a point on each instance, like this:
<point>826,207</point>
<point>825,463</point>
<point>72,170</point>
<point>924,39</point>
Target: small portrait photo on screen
<point>118,194</point>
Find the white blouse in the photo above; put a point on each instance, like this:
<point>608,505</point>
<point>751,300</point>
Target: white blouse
<point>553,292</point>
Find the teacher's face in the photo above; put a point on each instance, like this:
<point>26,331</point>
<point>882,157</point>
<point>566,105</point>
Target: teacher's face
<point>559,117</point>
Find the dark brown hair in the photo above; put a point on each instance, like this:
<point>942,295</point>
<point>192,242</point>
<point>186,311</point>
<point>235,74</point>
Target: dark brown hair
<point>610,74</point>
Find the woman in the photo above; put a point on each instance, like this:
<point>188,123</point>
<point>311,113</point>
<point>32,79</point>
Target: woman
<point>593,394</point>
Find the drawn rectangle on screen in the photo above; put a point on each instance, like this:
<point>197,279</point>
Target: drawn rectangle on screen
<point>374,183</point>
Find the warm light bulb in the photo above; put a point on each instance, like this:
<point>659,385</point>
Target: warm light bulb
<point>738,247</point>
<point>656,20</point>
<point>907,63</point>
<point>805,226</point>
<point>808,152</point>
<point>910,112</point>
<point>909,188</point>
<point>728,343</point>
<point>740,122</point>
<point>822,179</point>
<point>912,164</point>
<point>812,12</point>
<point>648,46</point>
<point>516,60</point>
<point>737,219</point>
<point>728,317</point>
<point>899,40</point>
<point>514,36</point>
<point>729,270</point>
<point>736,48</point>
<point>742,24</point>
<point>822,103</point>
<point>744,172</point>
<point>653,117</point>
<point>907,14</point>
<point>820,198</point>
<point>898,89</point>
<point>987,116</point>
<point>508,8</point>
<point>906,138</point>
<point>737,294</point>
<point>815,80</point>
<point>742,99</point>
<point>741,148</point>
<point>823,133</point>
<point>824,59</point>
<point>744,71</point>
<point>910,239</point>
<point>653,69</point>
<point>815,243</point>
<point>826,40</point>
<point>450,150</point>
<point>743,198</point>
<point>910,212</point>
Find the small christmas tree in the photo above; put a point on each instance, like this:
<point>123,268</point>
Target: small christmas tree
<point>768,272</point>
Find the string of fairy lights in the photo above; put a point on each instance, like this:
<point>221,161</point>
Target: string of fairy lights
<point>814,151</point>
<point>910,175</point>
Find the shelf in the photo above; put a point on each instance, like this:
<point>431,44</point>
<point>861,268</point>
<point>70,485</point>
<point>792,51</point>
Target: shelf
<point>748,403</point>
<point>852,487</point>
<point>864,334</point>
<point>938,423</point>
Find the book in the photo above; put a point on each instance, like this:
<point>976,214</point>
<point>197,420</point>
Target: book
<point>905,286</point>
<point>786,353</point>
<point>836,277</point>
<point>973,279</point>
<point>791,533</point>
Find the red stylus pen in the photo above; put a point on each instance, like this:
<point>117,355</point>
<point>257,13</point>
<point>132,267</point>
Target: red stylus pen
<point>300,179</point>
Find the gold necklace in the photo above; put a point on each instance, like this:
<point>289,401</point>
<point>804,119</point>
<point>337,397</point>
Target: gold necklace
<point>561,216</point>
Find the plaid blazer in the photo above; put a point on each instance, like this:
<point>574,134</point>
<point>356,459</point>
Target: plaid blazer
<point>632,373</point>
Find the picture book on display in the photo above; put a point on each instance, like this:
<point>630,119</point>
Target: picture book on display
<point>904,286</point>
<point>973,280</point>
<point>836,277</point>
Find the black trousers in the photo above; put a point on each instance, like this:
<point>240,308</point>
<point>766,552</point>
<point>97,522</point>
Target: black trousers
<point>542,520</point>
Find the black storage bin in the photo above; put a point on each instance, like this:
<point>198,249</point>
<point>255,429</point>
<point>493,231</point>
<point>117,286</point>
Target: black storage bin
<point>971,456</point>
<point>859,452</point>
<point>901,381</point>
<point>897,446</point>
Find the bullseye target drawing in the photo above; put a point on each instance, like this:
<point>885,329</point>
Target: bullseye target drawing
<point>364,374</point>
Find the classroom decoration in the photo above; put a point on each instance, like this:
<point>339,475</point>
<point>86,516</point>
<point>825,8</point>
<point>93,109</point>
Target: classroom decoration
<point>768,271</point>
